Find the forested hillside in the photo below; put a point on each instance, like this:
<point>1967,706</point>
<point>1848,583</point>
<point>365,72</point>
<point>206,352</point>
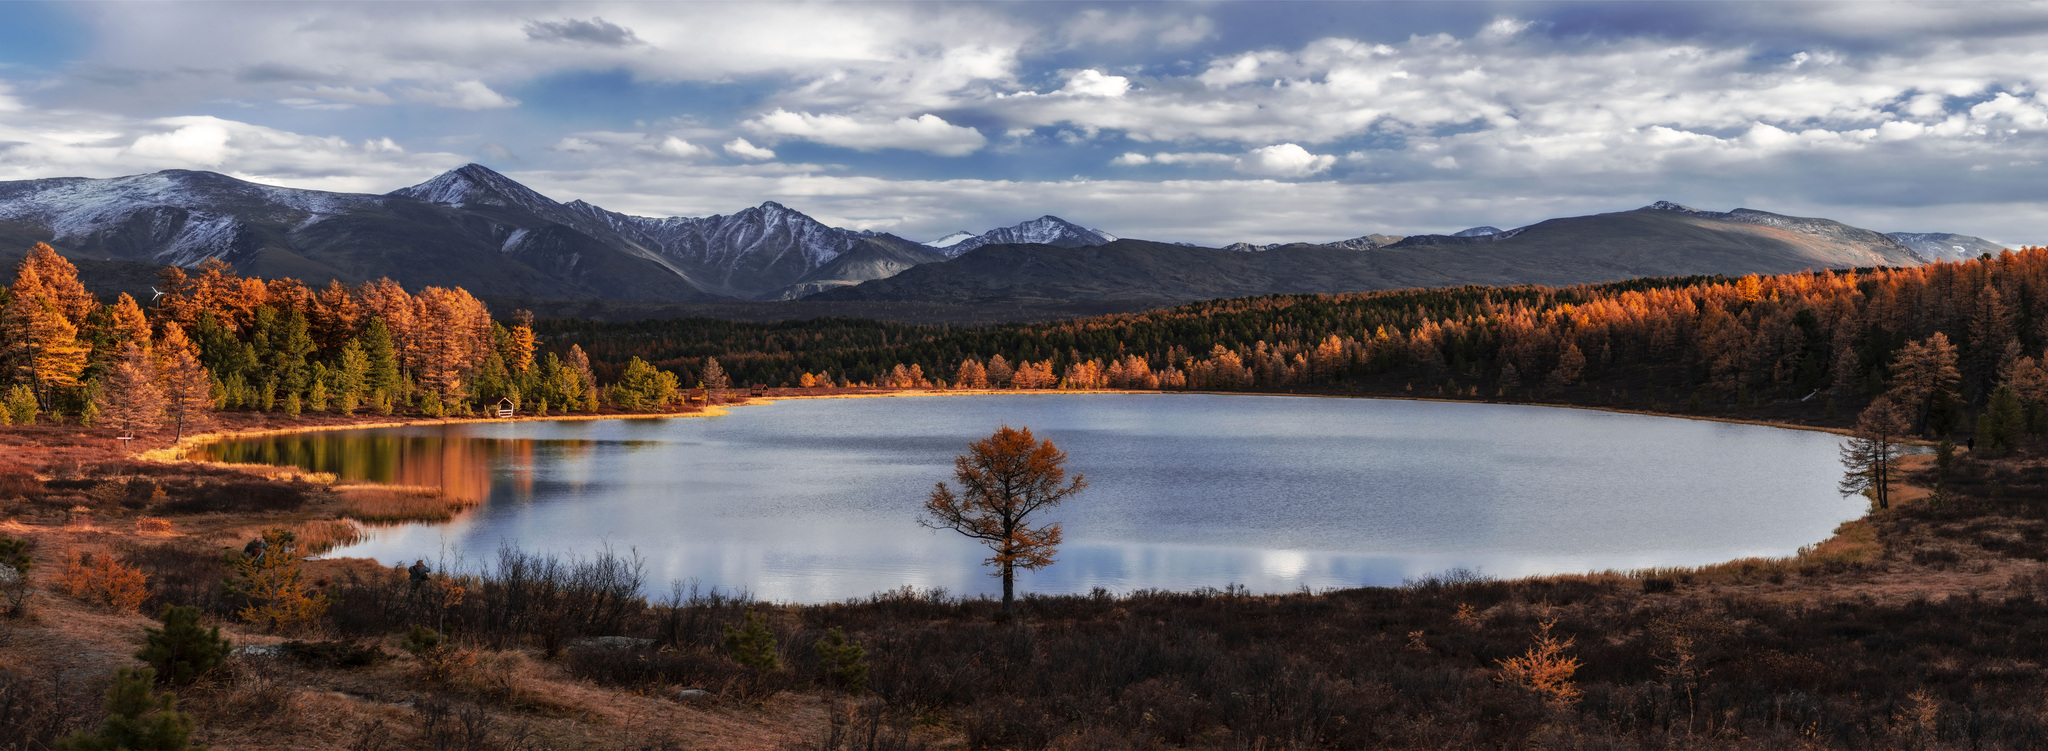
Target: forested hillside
<point>215,340</point>
<point>1947,334</point>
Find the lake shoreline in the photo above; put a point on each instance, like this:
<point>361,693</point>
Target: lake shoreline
<point>1372,560</point>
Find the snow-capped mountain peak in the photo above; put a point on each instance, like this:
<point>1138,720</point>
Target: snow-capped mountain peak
<point>1480,231</point>
<point>1045,230</point>
<point>473,185</point>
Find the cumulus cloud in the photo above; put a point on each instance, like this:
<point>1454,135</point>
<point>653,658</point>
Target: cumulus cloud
<point>1091,82</point>
<point>1284,160</point>
<point>595,31</point>
<point>1280,160</point>
<point>461,95</point>
<point>741,148</point>
<point>923,133</point>
<point>678,148</point>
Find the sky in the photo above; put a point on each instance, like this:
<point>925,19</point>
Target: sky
<point>1204,122</point>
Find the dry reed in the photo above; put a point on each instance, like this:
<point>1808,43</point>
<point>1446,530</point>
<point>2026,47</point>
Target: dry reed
<point>316,537</point>
<point>153,525</point>
<point>392,504</point>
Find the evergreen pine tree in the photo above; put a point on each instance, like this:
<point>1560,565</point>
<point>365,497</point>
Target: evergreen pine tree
<point>135,721</point>
<point>182,650</point>
<point>752,644</point>
<point>2003,422</point>
<point>843,662</point>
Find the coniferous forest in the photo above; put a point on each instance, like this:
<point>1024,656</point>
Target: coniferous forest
<point>1941,340</point>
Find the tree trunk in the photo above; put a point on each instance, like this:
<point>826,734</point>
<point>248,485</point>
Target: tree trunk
<point>1009,591</point>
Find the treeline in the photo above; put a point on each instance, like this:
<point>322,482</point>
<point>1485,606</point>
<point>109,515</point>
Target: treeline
<point>214,340</point>
<point>1940,339</point>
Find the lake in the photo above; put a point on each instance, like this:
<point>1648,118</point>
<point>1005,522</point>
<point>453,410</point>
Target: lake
<point>817,500</point>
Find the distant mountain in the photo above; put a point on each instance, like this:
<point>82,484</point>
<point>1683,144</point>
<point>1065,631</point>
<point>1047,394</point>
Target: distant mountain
<point>1477,232</point>
<point>1367,242</point>
<point>879,257</point>
<point>1943,246</point>
<point>1658,240</point>
<point>470,227</point>
<point>1045,230</point>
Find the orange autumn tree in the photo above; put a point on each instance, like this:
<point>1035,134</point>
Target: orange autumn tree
<point>1004,479</point>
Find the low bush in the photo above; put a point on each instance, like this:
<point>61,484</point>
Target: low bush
<point>33,714</point>
<point>231,496</point>
<point>103,579</point>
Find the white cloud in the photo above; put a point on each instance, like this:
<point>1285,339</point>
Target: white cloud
<point>461,95</point>
<point>574,145</point>
<point>923,133</point>
<point>1502,28</point>
<point>1091,82</point>
<point>741,148</point>
<point>1281,160</point>
<point>203,142</point>
<point>37,143</point>
<point>1284,160</point>
<point>344,94</point>
<point>679,148</point>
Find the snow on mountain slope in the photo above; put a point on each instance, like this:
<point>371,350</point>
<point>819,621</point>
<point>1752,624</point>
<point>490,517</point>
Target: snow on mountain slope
<point>1946,246</point>
<point>1045,230</point>
<point>177,217</point>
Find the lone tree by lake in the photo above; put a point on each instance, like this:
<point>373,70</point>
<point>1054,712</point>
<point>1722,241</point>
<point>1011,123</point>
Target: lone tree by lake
<point>1872,453</point>
<point>1004,479</point>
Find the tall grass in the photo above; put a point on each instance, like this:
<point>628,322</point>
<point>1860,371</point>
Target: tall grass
<point>393,504</point>
<point>316,537</point>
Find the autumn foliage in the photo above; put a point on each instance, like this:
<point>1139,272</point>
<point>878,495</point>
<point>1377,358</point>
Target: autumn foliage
<point>1005,479</point>
<point>215,340</point>
<point>103,579</point>
<point>1937,340</point>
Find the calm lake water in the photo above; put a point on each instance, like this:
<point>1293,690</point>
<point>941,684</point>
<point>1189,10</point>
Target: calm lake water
<point>817,500</point>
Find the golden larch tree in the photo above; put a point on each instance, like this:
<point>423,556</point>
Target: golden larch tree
<point>187,386</point>
<point>60,282</point>
<point>1005,479</point>
<point>1924,375</point>
<point>129,322</point>
<point>130,399</point>
<point>40,344</point>
<point>523,340</point>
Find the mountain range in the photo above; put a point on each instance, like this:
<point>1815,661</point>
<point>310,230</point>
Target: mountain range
<point>1662,239</point>
<point>475,228</point>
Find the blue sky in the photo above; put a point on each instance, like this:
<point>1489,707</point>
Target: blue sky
<point>1201,122</point>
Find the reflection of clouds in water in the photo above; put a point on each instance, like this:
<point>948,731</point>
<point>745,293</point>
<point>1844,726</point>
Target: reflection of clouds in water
<point>816,501</point>
<point>1285,565</point>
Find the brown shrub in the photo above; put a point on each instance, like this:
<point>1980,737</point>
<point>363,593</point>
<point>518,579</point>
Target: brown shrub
<point>19,484</point>
<point>103,579</point>
<point>153,525</point>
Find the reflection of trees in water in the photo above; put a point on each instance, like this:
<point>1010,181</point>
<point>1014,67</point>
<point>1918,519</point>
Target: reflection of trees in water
<point>458,464</point>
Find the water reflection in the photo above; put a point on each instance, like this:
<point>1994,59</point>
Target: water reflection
<point>814,501</point>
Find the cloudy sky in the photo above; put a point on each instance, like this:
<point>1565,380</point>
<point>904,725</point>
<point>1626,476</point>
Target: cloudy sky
<point>1201,122</point>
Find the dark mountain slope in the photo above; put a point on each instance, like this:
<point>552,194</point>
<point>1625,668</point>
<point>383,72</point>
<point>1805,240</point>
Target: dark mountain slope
<point>1603,247</point>
<point>878,257</point>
